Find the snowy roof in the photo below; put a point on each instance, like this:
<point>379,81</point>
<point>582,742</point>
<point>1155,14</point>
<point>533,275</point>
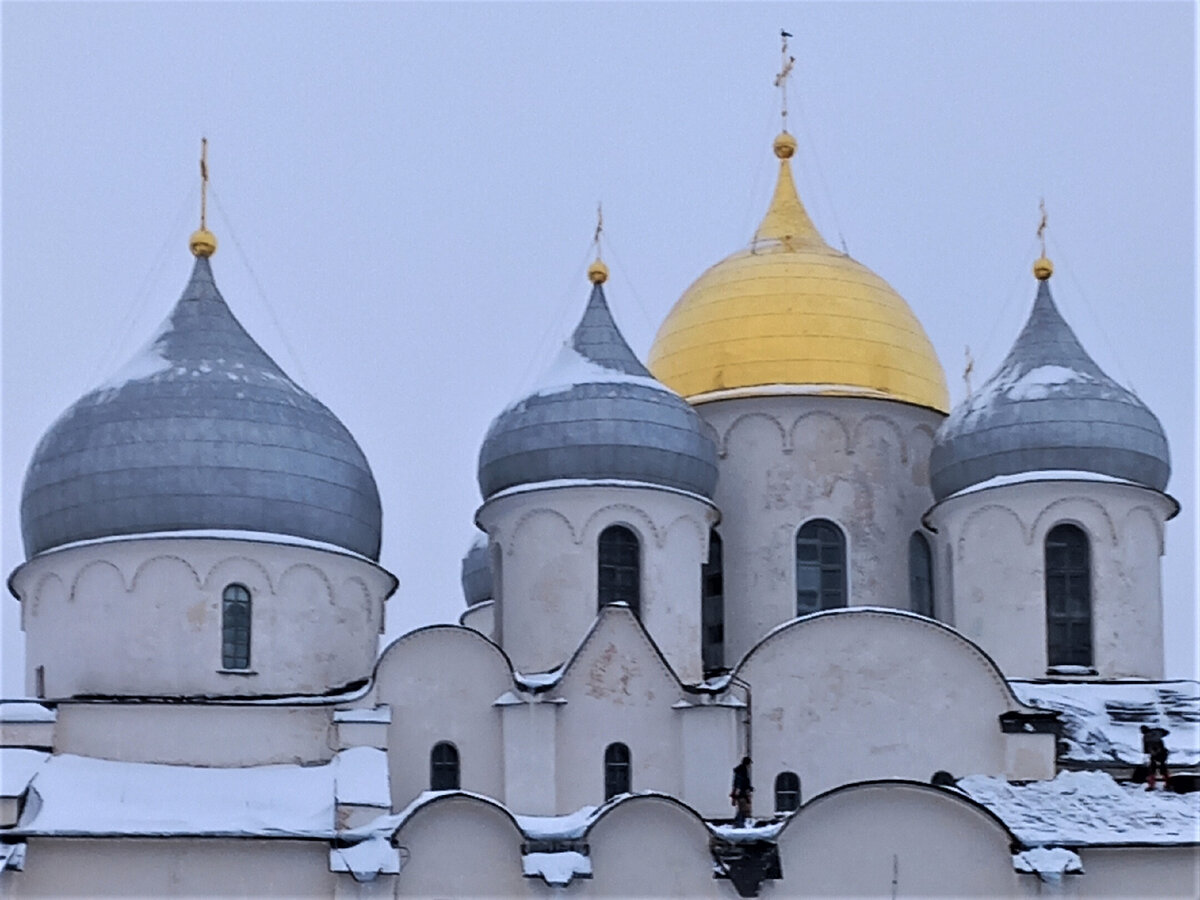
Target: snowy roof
<point>1087,809</point>
<point>80,796</point>
<point>556,869</point>
<point>25,711</point>
<point>17,767</point>
<point>1102,720</point>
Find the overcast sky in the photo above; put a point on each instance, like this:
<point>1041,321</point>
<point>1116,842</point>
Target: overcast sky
<point>405,197</point>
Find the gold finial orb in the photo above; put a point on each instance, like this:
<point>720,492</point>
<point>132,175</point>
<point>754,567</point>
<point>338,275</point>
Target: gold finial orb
<point>203,242</point>
<point>1043,268</point>
<point>598,272</point>
<point>785,146</point>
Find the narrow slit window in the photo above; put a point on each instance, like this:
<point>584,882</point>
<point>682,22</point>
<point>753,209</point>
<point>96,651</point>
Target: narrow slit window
<point>443,767</point>
<point>820,567</point>
<point>920,575</point>
<point>1068,597</point>
<point>616,770</point>
<point>620,576</point>
<point>235,627</point>
<point>787,792</point>
<point>712,607</point>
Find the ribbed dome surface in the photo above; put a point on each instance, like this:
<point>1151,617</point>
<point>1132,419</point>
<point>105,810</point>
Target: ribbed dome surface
<point>477,572</point>
<point>792,312</point>
<point>200,431</point>
<point>1048,408</point>
<point>598,414</point>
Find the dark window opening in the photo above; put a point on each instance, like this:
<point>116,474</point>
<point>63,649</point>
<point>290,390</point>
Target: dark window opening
<point>619,568</point>
<point>787,792</point>
<point>1068,597</point>
<point>235,627</point>
<point>616,770</point>
<point>712,607</point>
<point>920,575</point>
<point>820,567</point>
<point>443,767</point>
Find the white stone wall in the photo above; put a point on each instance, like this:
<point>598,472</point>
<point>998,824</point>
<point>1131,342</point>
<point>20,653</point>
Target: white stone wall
<point>441,683</point>
<point>480,617</point>
<point>547,577</point>
<point>143,618</point>
<point>862,464</point>
<point>895,840</point>
<point>180,867</point>
<point>856,695</point>
<point>990,549</point>
<point>195,734</point>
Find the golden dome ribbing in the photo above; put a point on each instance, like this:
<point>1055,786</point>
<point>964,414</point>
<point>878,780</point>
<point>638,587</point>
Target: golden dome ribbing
<point>792,315</point>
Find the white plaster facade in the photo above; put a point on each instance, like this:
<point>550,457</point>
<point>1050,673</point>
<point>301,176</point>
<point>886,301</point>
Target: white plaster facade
<point>991,563</point>
<point>784,460</point>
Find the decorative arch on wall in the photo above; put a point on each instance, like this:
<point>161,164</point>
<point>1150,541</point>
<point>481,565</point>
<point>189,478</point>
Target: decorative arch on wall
<point>625,514</point>
<point>164,559</point>
<point>96,565</point>
<point>1068,573</point>
<point>1156,523</point>
<point>889,425</point>
<point>821,567</point>
<point>785,444</point>
<point>847,441</point>
<point>216,574</point>
<point>529,517</point>
<point>976,515</point>
<point>1059,510</point>
<point>330,594</point>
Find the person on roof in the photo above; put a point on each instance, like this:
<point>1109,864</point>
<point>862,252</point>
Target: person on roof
<point>1156,752</point>
<point>742,791</point>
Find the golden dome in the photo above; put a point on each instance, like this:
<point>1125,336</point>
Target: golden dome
<point>203,242</point>
<point>792,315</point>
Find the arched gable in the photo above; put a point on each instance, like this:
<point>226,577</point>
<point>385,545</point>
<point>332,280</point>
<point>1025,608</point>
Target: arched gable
<point>884,838</point>
<point>650,845</point>
<point>860,693</point>
<point>459,845</point>
<point>423,674</point>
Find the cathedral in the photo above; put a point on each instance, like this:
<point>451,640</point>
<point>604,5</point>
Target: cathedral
<point>934,635</point>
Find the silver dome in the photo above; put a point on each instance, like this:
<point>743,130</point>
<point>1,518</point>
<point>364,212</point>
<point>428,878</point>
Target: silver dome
<point>1049,407</point>
<point>200,431</point>
<point>599,415</point>
<point>477,572</point>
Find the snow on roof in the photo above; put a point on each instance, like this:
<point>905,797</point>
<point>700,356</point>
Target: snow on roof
<point>556,869</point>
<point>381,713</point>
<point>224,534</point>
<point>1081,809</point>
<point>1049,861</point>
<point>25,711</point>
<point>77,795</point>
<point>767,831</point>
<point>17,768</point>
<point>12,856</point>
<point>361,777</point>
<point>566,827</point>
<point>539,679</point>
<point>1042,475</point>
<point>552,483</point>
<point>366,859</point>
<point>571,367</point>
<point>1102,719</point>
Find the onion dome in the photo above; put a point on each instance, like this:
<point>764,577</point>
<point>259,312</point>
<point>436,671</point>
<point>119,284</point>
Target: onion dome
<point>789,314</point>
<point>200,431</point>
<point>598,414</point>
<point>477,572</point>
<point>1048,408</point>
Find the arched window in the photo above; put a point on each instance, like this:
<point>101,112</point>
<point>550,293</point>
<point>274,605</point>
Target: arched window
<point>235,627</point>
<point>820,567</point>
<point>920,575</point>
<point>620,569</point>
<point>443,767</point>
<point>616,770</point>
<point>712,607</point>
<point>787,792</point>
<point>1068,597</point>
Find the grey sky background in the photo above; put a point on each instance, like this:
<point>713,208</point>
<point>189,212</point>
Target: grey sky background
<point>405,197</point>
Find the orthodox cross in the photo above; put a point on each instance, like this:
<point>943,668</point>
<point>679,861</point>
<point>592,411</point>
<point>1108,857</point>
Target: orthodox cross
<point>781,79</point>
